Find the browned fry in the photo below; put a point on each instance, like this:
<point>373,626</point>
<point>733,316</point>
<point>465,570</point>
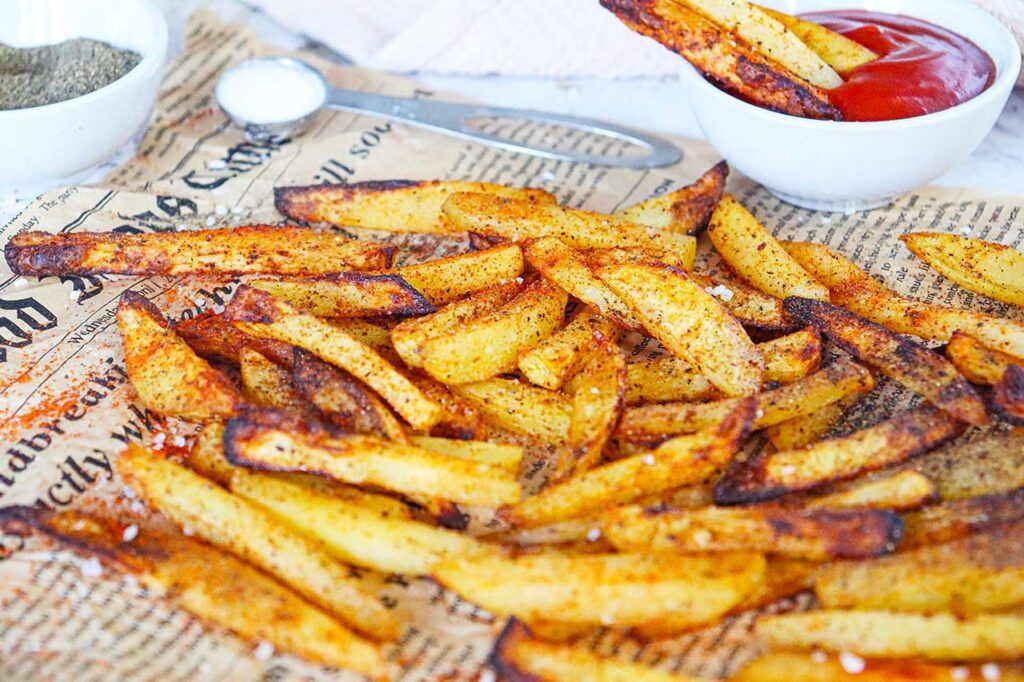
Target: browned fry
<point>459,418</point>
<point>268,385</point>
<point>350,294</point>
<point>1008,396</point>
<point>903,490</point>
<point>991,464</point>
<point>911,364</point>
<point>213,337</point>
<point>755,310</point>
<point>977,362</point>
<point>560,356</point>
<point>257,249</point>
<point>447,279</point>
<point>686,209</point>
<point>955,519</point>
<point>723,58</point>
<point>520,408</point>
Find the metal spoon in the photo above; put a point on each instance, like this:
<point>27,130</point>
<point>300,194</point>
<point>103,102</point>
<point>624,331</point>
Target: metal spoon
<point>447,117</point>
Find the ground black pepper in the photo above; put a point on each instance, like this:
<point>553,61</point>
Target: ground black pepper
<point>36,76</point>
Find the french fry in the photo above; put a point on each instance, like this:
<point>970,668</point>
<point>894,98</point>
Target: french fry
<point>991,464</point>
<point>684,210</point>
<point>395,205</point>
<point>810,428</point>
<point>266,384</point>
<point>940,636</point>
<point>912,365</point>
<point>948,521</point>
<point>979,364</point>
<point>349,294</point>
<point>520,408</point>
<point>488,345</point>
<point>977,574</point>
<point>986,268</point>
<point>168,376</point>
<point>259,249</point>
<point>827,265</point>
<point>841,53</point>
<point>595,589</point>
<point>260,314</point>
<point>652,423</point>
<point>783,577</point>
<point>374,336</point>
<point>460,419</point>
<point>795,533</point>
<point>274,441</point>
<point>792,357</point>
<point>501,455</point>
<point>1008,395</point>
<point>769,475</point>
<point>904,490</point>
<point>754,309</point>
<point>228,522</point>
<point>803,667</point>
<point>723,58</point>
<point>445,280</point>
<point>753,253</point>
<point>559,356</point>
<point>212,337</point>
<point>690,323</point>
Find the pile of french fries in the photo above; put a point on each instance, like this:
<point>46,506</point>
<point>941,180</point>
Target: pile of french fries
<point>479,419</point>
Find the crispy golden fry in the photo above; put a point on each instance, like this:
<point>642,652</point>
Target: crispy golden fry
<point>275,441</point>
<point>723,58</point>
<point>460,419</point>
<point>689,322</point>
<point>504,456</point>
<point>792,357</point>
<point>212,337</point>
<point>266,384</point>
<point>168,376</point>
<point>986,268</point>
<point>684,210</point>
<point>753,253</point>
<point>560,356</point>
<point>284,251</point>
<point>754,309</point>
<point>374,336</point>
<point>232,524</point>
<point>904,490</point>
<point>912,365</point>
<point>206,457</point>
<point>260,314</point>
<point>517,220</point>
<point>980,573</point>
<point>483,347</point>
<point>991,464</point>
<point>827,265</point>
<point>595,589</point>
<point>980,364</point>
<point>803,667</point>
<point>948,521</point>
<point>652,423</point>
<point>212,585</point>
<point>770,475</point>
<point>899,635</point>
<point>810,428</point>
<point>678,462</point>
<point>1008,395</point>
<point>446,279</point>
<point>841,53</point>
<point>520,408</point>
<point>665,379</point>
<point>395,205</point>
<point>349,294</point>
<point>795,533</point>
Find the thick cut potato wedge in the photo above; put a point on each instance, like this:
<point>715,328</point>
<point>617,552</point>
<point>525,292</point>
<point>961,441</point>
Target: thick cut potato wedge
<point>804,667</point>
<point>810,428</point>
<point>268,385</point>
<point>483,347</point>
<point>948,521</point>
<point>502,455</point>
<point>520,408</point>
<point>276,441</point>
<point>770,475</point>
<point>904,490</point>
<point>595,589</point>
<point>231,523</point>
<point>841,53</point>
<point>1008,395</point>
<point>986,268</point>
<point>560,356</point>
<point>804,534</point>
<point>350,294</point>
<point>168,376</point>
<point>393,205</point>
<point>518,220</point>
<point>447,279</point>
<point>883,634</point>
<point>912,365</point>
<point>284,251</point>
<point>678,462</point>
<point>980,364</point>
<point>980,573</point>
<point>689,322</point>
<point>724,58</point>
<point>684,210</point>
<point>755,256</point>
<point>653,423</point>
<point>213,337</point>
<point>260,314</point>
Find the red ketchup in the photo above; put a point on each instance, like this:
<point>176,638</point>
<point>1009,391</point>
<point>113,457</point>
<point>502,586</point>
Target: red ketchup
<point>922,68</point>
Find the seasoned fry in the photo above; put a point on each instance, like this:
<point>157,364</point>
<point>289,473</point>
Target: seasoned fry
<point>374,336</point>
<point>754,309</point>
<point>723,58</point>
<point>803,667</point>
<point>504,456</point>
<point>810,428</point>
<point>447,279</point>
<point>396,205</point>
<point>841,53</point>
<point>665,379</point>
<point>520,408</point>
<point>792,357</point>
<point>259,249</point>
<point>753,253</point>
<point>212,337</point>
<point>899,635</point>
<point>689,322</point>
<point>266,384</point>
<point>948,521</point>
<point>349,294</point>
<point>783,577</point>
<point>905,490</point>
<point>770,475</point>
<point>981,365</point>
<point>986,268</point>
<point>826,265</point>
<point>260,314</point>
<point>983,466</point>
<point>684,210</point>
<point>168,376</point>
<point>1008,395</point>
<point>459,417</point>
<point>556,358</point>
<point>912,365</point>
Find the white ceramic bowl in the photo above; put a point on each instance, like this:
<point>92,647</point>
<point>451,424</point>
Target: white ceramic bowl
<point>42,146</point>
<point>829,165</point>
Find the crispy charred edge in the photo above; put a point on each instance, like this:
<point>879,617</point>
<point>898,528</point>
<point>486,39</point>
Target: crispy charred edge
<point>746,481</point>
<point>406,301</point>
<point>700,198</point>
<point>1008,396</point>
<point>961,518</point>
<point>850,534</point>
<point>211,336</point>
<point>250,424</point>
<point>311,375</point>
<point>451,517</point>
<point>302,202</point>
<point>498,659</point>
<point>253,305</point>
<point>763,82</point>
<point>131,300</point>
<point>42,253</point>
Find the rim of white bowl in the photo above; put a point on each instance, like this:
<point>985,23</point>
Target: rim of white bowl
<point>1000,86</point>
<point>152,60</point>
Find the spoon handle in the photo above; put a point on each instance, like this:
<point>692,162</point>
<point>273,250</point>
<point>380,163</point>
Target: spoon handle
<point>455,119</point>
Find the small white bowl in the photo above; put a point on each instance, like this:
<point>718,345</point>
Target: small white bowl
<point>58,143</point>
<point>844,166</point>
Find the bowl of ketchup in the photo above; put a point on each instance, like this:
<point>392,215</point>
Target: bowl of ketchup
<point>944,73</point>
